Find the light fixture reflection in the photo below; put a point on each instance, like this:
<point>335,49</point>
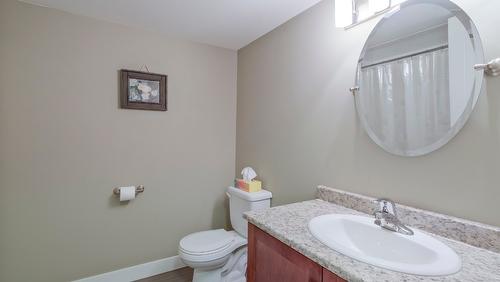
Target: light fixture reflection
<point>343,13</point>
<point>376,6</point>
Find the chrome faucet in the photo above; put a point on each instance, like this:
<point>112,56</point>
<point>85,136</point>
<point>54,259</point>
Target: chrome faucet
<point>386,217</point>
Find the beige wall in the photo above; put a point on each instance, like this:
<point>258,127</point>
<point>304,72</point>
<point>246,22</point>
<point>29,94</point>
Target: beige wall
<point>64,145</point>
<point>297,125</point>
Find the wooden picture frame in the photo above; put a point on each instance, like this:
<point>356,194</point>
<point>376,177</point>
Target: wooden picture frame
<point>143,90</point>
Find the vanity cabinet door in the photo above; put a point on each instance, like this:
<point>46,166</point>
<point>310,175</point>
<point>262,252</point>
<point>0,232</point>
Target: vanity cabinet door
<point>269,260</point>
<point>330,277</point>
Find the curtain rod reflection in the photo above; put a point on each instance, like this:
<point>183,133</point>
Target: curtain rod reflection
<point>407,56</point>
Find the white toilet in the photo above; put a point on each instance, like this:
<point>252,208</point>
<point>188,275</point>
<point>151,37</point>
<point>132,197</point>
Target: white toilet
<point>220,255</point>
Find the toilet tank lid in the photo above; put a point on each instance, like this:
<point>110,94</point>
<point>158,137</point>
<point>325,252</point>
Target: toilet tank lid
<point>249,196</point>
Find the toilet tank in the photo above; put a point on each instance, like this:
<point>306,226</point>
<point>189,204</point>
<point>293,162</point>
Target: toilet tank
<point>241,202</point>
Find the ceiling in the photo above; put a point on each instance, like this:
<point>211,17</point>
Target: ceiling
<point>411,20</point>
<point>225,23</point>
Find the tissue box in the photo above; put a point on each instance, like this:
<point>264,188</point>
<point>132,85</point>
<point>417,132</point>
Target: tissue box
<point>249,186</point>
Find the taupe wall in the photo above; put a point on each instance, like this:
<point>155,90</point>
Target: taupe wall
<point>64,144</point>
<point>297,125</point>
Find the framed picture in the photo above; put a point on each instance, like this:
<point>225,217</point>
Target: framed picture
<point>143,91</point>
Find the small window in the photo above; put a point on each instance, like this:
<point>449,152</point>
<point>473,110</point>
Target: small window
<point>349,13</point>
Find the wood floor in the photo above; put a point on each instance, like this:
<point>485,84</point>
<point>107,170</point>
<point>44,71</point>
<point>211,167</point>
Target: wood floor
<point>180,275</point>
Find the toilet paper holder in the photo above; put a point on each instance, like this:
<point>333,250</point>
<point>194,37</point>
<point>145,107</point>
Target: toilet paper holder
<point>138,189</point>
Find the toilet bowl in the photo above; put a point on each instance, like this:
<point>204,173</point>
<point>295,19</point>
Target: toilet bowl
<point>209,249</point>
<point>219,255</point>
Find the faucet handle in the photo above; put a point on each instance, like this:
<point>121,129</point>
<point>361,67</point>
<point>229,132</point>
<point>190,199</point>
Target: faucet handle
<point>386,205</point>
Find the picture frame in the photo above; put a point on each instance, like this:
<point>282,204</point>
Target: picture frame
<point>143,90</point>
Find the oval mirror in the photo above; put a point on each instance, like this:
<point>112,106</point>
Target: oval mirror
<point>416,77</point>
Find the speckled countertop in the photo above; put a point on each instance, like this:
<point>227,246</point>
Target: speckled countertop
<point>288,224</point>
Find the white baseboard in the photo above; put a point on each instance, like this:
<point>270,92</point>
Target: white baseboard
<point>137,272</point>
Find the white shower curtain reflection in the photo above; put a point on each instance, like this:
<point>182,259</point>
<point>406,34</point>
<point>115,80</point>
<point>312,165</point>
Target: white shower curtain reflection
<point>407,104</point>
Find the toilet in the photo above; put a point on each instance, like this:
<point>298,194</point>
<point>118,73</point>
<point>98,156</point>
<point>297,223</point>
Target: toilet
<point>220,255</point>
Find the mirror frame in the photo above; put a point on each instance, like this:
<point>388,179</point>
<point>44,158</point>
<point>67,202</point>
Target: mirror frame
<point>477,89</point>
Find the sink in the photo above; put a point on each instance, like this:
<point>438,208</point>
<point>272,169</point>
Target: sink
<point>359,238</point>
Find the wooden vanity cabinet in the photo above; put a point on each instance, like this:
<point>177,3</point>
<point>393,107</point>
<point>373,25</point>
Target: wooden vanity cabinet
<point>330,277</point>
<point>269,260</point>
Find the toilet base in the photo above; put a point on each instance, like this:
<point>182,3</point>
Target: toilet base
<point>213,275</point>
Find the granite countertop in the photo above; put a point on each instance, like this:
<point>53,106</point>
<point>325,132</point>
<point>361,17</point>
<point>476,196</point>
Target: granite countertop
<point>288,224</point>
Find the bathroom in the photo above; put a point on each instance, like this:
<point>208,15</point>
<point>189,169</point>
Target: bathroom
<point>271,85</point>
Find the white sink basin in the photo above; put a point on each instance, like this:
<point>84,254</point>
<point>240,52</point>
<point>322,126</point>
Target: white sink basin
<point>359,238</point>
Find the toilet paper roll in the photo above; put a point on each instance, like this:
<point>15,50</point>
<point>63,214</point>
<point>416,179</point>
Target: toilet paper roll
<point>127,193</point>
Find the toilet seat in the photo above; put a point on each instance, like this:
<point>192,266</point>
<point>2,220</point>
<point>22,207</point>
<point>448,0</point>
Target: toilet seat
<point>212,245</point>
